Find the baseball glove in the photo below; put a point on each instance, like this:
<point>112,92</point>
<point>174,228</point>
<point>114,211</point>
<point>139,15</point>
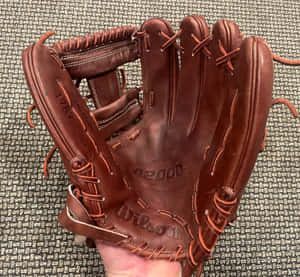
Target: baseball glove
<point>166,186</point>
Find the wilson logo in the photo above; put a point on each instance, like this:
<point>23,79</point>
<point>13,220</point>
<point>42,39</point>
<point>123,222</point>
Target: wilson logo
<point>160,174</point>
<point>140,220</point>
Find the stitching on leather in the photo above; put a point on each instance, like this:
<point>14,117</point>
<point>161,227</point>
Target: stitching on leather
<point>205,247</point>
<point>106,164</point>
<point>226,57</point>
<point>93,142</point>
<point>224,202</point>
<point>194,202</point>
<point>98,38</point>
<point>142,203</point>
<point>220,151</point>
<point>81,122</point>
<point>100,57</point>
<point>134,135</point>
<point>150,253</point>
<point>94,119</point>
<point>107,121</point>
<point>126,183</point>
<point>205,152</point>
<point>116,145</point>
<point>65,93</point>
<point>179,220</point>
<point>201,45</point>
<point>141,247</point>
<point>213,225</point>
<point>219,207</point>
<point>106,48</point>
<point>90,137</point>
<point>151,98</point>
<point>191,255</point>
<point>90,173</point>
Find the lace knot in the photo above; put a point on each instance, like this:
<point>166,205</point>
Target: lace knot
<point>201,45</point>
<point>226,57</point>
<point>171,40</point>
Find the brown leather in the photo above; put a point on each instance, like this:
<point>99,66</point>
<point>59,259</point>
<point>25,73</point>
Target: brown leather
<point>119,113</point>
<point>105,88</point>
<point>167,186</point>
<point>97,182</point>
<point>92,55</point>
<point>201,128</point>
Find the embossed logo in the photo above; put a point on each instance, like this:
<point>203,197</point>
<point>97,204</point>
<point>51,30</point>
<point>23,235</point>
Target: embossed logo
<point>140,220</point>
<point>64,104</point>
<point>160,174</point>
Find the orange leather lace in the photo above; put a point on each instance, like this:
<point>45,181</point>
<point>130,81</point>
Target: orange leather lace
<point>96,39</point>
<point>86,174</point>
<point>202,46</point>
<point>226,57</point>
<point>223,212</point>
<point>171,40</point>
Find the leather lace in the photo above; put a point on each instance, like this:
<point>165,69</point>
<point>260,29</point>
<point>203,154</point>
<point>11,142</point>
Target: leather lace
<point>290,106</point>
<point>171,41</point>
<point>95,40</point>
<point>47,160</point>
<point>226,57</point>
<point>142,35</point>
<point>224,209</point>
<point>86,174</point>
<point>201,45</point>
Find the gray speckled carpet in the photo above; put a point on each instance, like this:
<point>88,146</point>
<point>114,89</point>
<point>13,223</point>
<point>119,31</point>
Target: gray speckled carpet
<point>266,240</point>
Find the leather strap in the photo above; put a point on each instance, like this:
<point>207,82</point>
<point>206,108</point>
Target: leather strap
<point>75,219</point>
<point>105,88</point>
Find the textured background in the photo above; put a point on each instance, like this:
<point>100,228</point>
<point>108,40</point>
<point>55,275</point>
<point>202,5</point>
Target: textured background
<point>266,240</point>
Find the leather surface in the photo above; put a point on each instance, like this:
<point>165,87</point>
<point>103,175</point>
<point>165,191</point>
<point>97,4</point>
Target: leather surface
<point>201,129</point>
<point>196,144</point>
<point>264,241</point>
<point>105,88</point>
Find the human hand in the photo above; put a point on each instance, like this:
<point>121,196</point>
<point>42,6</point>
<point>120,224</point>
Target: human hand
<point>119,262</point>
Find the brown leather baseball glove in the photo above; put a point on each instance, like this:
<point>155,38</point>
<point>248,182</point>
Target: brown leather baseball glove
<point>166,186</point>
